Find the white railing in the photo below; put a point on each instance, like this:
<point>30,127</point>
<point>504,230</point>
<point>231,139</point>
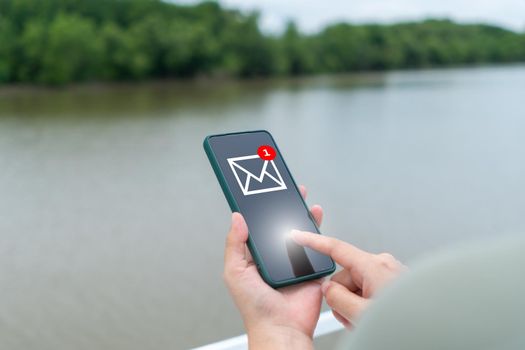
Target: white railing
<point>327,324</point>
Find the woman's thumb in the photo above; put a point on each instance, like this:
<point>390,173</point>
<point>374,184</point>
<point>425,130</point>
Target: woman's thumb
<point>347,304</point>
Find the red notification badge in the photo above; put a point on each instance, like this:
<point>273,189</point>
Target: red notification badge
<point>266,152</point>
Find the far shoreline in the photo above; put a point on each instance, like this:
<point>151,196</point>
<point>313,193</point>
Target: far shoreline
<point>210,81</point>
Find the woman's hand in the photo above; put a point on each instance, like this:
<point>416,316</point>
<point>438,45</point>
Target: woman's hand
<point>349,291</point>
<point>274,319</point>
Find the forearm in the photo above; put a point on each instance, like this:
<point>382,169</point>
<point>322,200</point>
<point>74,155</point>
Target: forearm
<point>276,338</point>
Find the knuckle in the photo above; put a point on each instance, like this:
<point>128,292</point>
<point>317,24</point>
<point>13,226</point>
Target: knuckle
<point>386,260</point>
<point>387,256</point>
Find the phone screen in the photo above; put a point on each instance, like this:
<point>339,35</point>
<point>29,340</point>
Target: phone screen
<point>270,202</point>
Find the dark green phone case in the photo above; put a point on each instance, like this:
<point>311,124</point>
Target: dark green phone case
<point>234,207</point>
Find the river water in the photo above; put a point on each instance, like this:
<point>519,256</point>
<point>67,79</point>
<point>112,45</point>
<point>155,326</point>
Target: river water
<point>112,224</point>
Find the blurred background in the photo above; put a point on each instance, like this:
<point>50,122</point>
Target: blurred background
<point>404,118</point>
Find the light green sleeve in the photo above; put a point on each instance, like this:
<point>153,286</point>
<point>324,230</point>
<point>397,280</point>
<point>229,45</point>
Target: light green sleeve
<point>472,297</point>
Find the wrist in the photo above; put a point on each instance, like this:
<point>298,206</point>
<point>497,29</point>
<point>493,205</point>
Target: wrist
<point>277,337</point>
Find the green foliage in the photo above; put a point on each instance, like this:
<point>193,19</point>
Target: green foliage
<point>62,41</point>
<point>73,51</point>
<point>246,51</point>
<point>7,47</point>
<point>295,57</point>
<point>123,57</point>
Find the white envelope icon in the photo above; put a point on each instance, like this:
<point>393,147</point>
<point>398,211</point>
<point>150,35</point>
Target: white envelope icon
<point>249,186</point>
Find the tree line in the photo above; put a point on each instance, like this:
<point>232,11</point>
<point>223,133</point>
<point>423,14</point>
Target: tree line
<point>62,41</point>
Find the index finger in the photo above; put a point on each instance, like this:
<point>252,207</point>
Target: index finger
<point>343,253</point>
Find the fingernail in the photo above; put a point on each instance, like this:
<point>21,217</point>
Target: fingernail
<point>324,286</point>
<point>235,221</point>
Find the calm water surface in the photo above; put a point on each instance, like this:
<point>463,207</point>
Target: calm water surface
<point>112,224</point>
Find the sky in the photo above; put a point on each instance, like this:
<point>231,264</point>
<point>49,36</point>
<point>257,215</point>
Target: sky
<point>311,16</point>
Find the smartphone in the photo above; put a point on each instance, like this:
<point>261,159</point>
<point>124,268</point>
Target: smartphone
<point>257,183</point>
